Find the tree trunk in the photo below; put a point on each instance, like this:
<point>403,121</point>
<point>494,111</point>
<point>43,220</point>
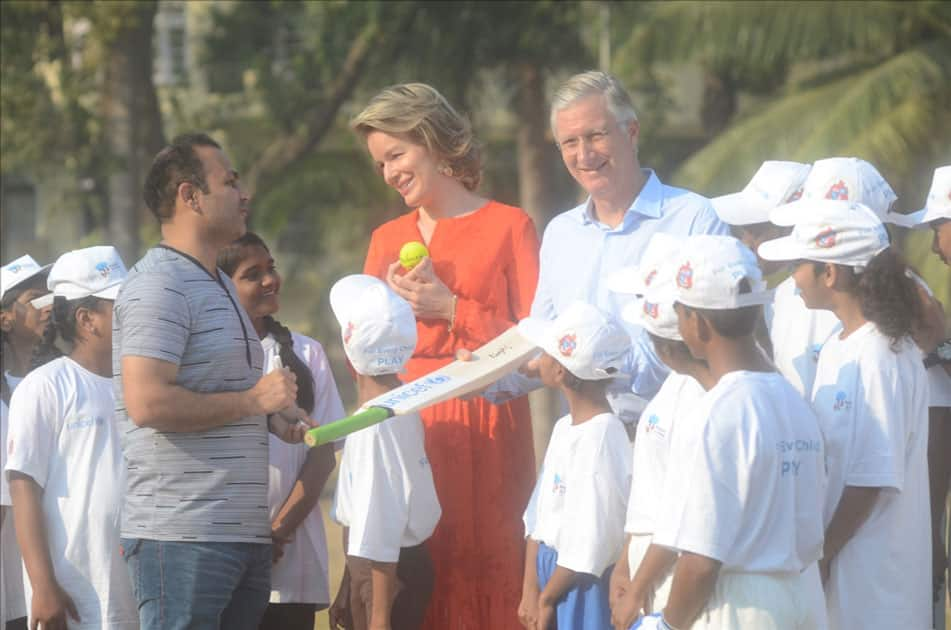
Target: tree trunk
<point>536,196</point>
<point>132,122</point>
<point>534,146</point>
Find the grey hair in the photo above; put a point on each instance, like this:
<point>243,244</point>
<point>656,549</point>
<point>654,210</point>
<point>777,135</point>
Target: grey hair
<point>594,82</point>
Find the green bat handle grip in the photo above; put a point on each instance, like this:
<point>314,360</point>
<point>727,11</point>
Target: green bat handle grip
<point>345,426</point>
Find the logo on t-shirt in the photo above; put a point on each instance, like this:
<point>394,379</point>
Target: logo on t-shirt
<point>559,486</point>
<point>84,423</point>
<point>653,426</point>
<point>842,402</point>
<point>826,238</point>
<point>567,345</point>
<point>685,276</point>
<point>650,277</point>
<point>838,190</point>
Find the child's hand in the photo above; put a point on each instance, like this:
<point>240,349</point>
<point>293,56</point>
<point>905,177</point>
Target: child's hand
<point>619,583</point>
<point>546,614</point>
<point>528,608</point>
<point>50,607</point>
<point>628,607</point>
<point>339,612</point>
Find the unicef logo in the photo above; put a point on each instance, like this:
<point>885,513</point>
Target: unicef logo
<point>842,402</point>
<point>103,269</point>
<point>652,422</point>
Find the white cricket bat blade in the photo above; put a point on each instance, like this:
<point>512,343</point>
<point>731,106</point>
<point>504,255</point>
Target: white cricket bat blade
<point>489,363</point>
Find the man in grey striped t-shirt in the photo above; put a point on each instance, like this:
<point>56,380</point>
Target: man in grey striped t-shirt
<point>193,407</point>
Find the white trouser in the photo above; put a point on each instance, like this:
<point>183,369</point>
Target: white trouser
<point>760,601</point>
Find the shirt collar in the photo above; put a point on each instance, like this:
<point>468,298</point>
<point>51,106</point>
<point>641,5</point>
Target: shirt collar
<point>648,202</point>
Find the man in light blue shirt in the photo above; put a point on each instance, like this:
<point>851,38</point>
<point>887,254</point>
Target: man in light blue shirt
<point>596,129</point>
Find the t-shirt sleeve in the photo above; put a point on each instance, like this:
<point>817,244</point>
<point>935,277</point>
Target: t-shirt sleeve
<point>878,447</point>
<point>34,425</point>
<point>152,315</point>
<point>595,499</point>
<point>379,508</point>
<point>705,490</point>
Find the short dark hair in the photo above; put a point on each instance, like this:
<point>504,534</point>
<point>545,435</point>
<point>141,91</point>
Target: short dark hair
<point>175,164</point>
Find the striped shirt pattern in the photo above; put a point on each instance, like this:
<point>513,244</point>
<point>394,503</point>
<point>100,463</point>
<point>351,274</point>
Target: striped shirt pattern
<point>204,485</point>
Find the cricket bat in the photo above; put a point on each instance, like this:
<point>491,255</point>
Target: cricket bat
<point>489,363</point>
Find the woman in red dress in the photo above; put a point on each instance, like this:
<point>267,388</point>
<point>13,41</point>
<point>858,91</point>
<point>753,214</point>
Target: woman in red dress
<point>477,282</point>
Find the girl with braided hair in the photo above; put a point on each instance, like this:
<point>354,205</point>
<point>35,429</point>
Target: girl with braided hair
<point>65,463</point>
<point>21,327</point>
<point>296,474</point>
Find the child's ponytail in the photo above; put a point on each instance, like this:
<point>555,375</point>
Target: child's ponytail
<point>889,296</point>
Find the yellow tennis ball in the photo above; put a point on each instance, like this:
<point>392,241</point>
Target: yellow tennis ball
<point>411,253</point>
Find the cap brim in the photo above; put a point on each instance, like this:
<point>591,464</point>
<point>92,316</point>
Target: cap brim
<point>780,249</point>
<point>626,280</point>
<point>789,214</point>
<point>741,209</point>
<point>43,301</point>
<point>40,270</point>
<point>109,293</point>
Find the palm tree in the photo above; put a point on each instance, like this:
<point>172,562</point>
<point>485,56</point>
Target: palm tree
<point>869,79</point>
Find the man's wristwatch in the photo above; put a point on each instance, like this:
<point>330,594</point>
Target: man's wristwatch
<point>941,355</point>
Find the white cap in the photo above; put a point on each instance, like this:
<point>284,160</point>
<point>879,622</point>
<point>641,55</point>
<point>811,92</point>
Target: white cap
<point>96,271</point>
<point>774,184</point>
<point>377,326</point>
<point>19,271</point>
<point>709,272</point>
<point>634,280</point>
<point>841,232</point>
<point>848,179</point>
<point>589,342</point>
<point>938,205</point>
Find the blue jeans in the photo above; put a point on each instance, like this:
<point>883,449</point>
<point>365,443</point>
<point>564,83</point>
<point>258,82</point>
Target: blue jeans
<point>198,585</point>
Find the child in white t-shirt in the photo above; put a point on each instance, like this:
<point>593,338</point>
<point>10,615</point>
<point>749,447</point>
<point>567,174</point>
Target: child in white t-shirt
<point>65,466</point>
<point>385,499</point>
<point>21,328</point>
<point>795,333</point>
<point>743,504</point>
<point>871,396</point>
<point>296,473</point>
<point>574,522</point>
<point>678,396</point>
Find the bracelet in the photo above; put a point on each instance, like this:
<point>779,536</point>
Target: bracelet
<point>452,311</point>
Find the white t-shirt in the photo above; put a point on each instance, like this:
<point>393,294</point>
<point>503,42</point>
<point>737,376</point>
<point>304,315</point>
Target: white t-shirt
<point>678,396</point>
<point>872,405</point>
<point>385,490</point>
<point>750,477</point>
<point>797,334</point>
<point>13,602</point>
<point>63,435</point>
<point>579,500</point>
<point>300,576</point>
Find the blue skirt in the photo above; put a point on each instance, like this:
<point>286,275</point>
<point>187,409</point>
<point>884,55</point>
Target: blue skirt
<point>585,606</point>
